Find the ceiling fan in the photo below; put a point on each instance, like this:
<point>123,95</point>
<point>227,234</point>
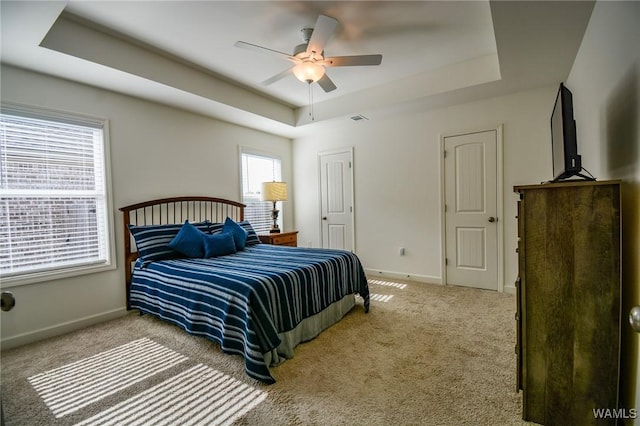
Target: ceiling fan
<point>309,58</point>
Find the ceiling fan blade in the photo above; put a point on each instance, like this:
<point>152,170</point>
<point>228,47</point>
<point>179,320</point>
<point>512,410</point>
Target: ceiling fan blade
<point>326,84</point>
<point>321,33</point>
<point>350,61</point>
<point>278,76</point>
<point>256,48</point>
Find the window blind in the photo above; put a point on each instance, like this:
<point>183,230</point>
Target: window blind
<point>255,170</point>
<point>53,198</point>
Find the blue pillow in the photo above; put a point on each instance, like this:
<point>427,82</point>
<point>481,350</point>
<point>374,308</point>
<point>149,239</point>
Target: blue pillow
<point>238,232</point>
<point>189,241</point>
<point>252,236</point>
<point>219,244</point>
<point>152,241</point>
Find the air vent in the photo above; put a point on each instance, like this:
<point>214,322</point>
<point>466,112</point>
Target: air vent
<point>359,117</point>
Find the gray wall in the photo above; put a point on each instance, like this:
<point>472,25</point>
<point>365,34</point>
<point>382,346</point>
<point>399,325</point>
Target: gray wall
<point>156,151</point>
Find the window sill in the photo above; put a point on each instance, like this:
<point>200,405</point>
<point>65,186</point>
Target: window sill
<point>38,277</point>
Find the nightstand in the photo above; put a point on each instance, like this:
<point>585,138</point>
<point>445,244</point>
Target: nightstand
<point>281,239</point>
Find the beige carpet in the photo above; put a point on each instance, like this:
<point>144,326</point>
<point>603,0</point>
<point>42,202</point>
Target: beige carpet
<point>425,355</point>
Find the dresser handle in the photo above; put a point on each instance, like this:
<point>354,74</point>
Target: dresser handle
<point>634,318</point>
<point>7,301</point>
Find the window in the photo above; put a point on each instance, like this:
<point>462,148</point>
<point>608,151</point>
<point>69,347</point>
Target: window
<point>258,168</point>
<point>54,204</point>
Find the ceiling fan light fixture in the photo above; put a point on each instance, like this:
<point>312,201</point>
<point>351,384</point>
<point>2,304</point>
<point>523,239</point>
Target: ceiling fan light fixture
<point>309,60</point>
<point>308,71</point>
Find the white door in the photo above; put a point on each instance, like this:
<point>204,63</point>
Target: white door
<point>471,241</point>
<point>336,189</point>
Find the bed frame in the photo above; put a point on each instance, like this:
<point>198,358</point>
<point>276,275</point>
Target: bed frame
<point>172,211</point>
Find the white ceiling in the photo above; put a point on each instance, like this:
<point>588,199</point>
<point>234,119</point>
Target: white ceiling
<point>182,52</point>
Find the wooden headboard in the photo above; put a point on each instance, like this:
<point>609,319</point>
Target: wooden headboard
<point>173,211</point>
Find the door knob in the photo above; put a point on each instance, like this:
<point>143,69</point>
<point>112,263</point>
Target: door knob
<point>634,318</point>
<point>324,218</point>
<point>493,219</point>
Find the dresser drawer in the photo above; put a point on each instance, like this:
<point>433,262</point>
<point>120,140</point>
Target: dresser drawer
<point>283,239</point>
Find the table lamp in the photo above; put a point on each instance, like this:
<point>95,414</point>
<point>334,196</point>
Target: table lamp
<point>274,192</point>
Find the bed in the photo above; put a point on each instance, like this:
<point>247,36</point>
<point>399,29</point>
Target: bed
<point>258,301</point>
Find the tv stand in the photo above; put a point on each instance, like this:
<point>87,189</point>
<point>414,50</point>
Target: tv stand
<point>585,177</point>
<point>578,174</point>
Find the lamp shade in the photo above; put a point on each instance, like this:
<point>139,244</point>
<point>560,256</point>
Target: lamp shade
<point>274,191</point>
<point>308,72</point>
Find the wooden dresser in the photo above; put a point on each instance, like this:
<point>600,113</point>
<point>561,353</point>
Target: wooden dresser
<point>568,301</point>
<point>280,239</point>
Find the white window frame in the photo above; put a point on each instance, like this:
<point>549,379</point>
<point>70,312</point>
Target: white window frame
<point>250,151</point>
<point>54,273</point>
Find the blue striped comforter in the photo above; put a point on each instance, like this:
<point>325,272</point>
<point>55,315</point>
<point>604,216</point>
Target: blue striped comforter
<point>242,301</point>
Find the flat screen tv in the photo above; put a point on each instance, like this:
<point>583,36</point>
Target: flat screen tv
<point>564,143</point>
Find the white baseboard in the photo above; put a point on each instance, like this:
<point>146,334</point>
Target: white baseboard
<point>57,330</point>
<point>510,289</point>
<point>372,273</point>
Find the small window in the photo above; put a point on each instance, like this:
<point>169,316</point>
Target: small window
<point>256,169</point>
<point>54,206</point>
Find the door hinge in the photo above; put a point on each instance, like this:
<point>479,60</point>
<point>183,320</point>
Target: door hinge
<point>446,261</point>
<point>351,209</point>
<point>349,164</point>
<point>444,153</point>
<point>445,208</point>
